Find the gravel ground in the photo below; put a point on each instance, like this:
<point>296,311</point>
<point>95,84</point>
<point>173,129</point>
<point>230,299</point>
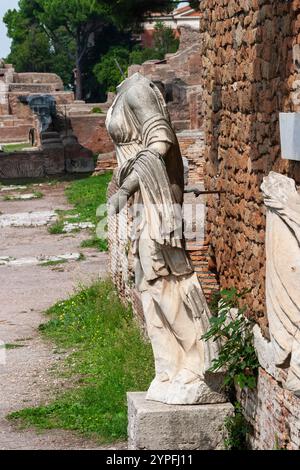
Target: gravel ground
<point>26,373</point>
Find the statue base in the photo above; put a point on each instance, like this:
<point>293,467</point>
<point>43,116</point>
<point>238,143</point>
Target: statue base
<point>157,426</point>
<point>195,393</point>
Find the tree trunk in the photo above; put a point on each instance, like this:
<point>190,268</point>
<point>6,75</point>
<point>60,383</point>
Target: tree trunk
<point>78,76</point>
<point>82,38</point>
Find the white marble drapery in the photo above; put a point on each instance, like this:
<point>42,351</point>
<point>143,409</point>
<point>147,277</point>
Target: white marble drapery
<point>282,201</point>
<point>175,308</point>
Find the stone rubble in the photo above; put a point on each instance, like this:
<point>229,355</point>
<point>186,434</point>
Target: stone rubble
<point>38,260</point>
<point>27,219</point>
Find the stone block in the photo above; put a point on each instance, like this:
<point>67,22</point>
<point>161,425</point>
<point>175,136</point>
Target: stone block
<point>28,164</point>
<point>153,425</point>
<point>80,160</point>
<point>91,132</point>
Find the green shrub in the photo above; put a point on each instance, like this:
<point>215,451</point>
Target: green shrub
<point>97,110</point>
<point>237,354</point>
<point>237,429</point>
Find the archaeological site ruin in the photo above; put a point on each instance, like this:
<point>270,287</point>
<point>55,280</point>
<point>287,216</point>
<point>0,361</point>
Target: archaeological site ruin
<point>224,89</point>
<point>68,139</point>
<point>196,157</point>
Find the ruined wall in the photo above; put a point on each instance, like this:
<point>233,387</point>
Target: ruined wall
<point>248,77</point>
<point>22,165</point>
<point>19,133</point>
<point>179,73</point>
<point>91,132</point>
<point>273,414</point>
<point>39,78</point>
<point>250,57</point>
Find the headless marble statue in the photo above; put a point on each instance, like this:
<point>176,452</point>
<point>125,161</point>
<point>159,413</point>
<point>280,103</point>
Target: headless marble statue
<point>282,352</point>
<point>150,168</point>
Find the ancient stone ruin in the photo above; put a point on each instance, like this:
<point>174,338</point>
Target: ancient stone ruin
<point>176,77</point>
<point>224,90</point>
<point>64,133</point>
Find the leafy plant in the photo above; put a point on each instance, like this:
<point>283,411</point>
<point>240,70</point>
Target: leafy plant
<point>113,66</point>
<point>279,445</point>
<point>97,110</point>
<point>38,195</point>
<point>164,39</point>
<point>237,354</point>
<point>237,429</point>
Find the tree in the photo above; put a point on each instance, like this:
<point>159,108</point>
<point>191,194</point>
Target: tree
<point>83,19</point>
<point>195,4</point>
<point>79,18</point>
<point>107,71</point>
<point>33,51</point>
<point>164,39</point>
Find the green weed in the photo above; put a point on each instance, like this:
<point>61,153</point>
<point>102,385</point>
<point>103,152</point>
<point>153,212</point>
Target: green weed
<point>110,358</point>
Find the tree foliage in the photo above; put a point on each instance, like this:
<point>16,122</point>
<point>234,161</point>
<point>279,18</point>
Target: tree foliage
<point>108,71</point>
<point>32,50</point>
<point>63,35</point>
<point>195,4</point>
<point>164,40</point>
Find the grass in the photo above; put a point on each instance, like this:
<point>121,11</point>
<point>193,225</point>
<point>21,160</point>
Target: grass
<point>109,358</point>
<point>53,263</point>
<point>36,195</point>
<point>62,261</point>
<point>95,242</point>
<point>12,346</point>
<point>57,227</point>
<point>86,195</point>
<point>47,180</point>
<point>97,110</point>
<point>16,147</point>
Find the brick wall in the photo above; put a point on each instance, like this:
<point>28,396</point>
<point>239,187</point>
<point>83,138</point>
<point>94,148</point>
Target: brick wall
<point>121,263</point>
<point>248,77</point>
<point>250,59</point>
<point>274,415</point>
<point>106,162</point>
<point>192,146</point>
<point>91,132</point>
<point>19,133</point>
<point>180,74</point>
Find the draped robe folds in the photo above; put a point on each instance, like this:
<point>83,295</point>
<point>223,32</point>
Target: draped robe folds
<point>283,274</point>
<point>175,308</point>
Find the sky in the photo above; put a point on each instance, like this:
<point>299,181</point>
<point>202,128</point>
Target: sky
<point>4,40</point>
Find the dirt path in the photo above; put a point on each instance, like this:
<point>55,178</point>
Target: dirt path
<point>27,289</point>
